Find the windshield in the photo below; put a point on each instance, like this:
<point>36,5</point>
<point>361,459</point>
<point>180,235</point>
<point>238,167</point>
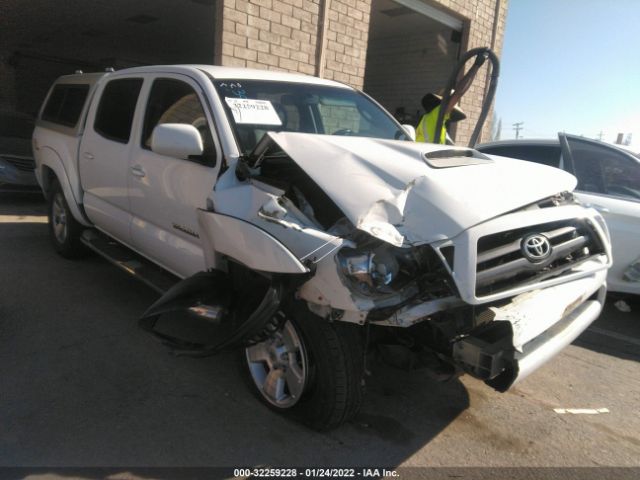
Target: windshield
<point>255,107</point>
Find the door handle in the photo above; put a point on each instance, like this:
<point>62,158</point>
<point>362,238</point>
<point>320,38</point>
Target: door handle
<point>88,156</point>
<point>138,171</point>
<point>599,208</point>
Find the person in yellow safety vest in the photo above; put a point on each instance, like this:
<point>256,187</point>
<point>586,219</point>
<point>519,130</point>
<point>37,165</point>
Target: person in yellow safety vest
<point>426,129</point>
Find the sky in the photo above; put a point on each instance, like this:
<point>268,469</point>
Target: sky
<point>573,66</point>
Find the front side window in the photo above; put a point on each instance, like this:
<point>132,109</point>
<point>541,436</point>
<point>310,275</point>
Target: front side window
<point>605,170</point>
<point>174,101</point>
<point>255,107</point>
<point>116,109</point>
<point>65,103</point>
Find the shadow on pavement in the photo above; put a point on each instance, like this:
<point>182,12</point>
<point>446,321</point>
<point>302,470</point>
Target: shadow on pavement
<point>21,201</point>
<point>615,332</point>
<point>82,385</point>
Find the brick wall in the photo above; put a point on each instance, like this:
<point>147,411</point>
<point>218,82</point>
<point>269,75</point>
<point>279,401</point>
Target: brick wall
<point>347,36</point>
<point>284,35</point>
<point>269,34</point>
<point>280,35</point>
<point>479,16</point>
<point>402,80</point>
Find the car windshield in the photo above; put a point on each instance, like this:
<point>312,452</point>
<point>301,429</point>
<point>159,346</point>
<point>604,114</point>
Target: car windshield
<point>255,107</point>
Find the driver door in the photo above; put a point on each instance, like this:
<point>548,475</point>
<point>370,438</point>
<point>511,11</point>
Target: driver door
<point>609,181</point>
<point>166,192</point>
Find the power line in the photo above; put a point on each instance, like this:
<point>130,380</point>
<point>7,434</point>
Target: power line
<point>517,127</point>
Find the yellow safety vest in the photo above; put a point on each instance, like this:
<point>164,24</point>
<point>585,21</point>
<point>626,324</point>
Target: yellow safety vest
<point>427,127</point>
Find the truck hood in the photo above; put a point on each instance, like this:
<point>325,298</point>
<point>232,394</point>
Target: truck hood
<point>390,189</point>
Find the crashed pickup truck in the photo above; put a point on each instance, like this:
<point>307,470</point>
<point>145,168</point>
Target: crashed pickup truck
<point>293,219</point>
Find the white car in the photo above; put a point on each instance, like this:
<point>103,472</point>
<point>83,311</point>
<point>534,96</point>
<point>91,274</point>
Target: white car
<point>608,180</point>
<point>293,218</point>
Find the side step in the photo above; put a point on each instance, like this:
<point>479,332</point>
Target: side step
<point>129,261</point>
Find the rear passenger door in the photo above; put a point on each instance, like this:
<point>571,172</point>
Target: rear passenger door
<point>166,192</point>
<point>104,155</point>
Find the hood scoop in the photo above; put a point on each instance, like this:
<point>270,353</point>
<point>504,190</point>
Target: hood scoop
<point>455,157</point>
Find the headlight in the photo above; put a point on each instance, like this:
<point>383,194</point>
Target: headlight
<point>379,270</point>
<point>368,271</point>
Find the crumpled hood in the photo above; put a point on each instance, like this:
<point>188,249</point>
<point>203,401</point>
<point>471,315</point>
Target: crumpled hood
<point>387,189</point>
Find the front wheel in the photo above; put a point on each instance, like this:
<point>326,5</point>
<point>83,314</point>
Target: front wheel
<point>309,369</point>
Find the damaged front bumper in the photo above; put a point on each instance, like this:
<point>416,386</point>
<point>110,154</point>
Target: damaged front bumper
<point>530,330</point>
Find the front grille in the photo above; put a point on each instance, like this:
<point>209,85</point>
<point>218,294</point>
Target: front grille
<point>502,264</point>
<point>24,164</point>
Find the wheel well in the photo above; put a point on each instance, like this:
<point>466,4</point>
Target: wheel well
<point>48,177</point>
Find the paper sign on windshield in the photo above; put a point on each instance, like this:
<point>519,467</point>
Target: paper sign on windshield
<point>259,112</point>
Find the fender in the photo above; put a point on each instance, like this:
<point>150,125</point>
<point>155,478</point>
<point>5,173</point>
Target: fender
<point>245,243</point>
<point>50,158</point>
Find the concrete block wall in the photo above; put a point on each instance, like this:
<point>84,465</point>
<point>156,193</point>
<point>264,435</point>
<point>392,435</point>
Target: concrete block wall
<point>402,80</point>
<point>347,38</point>
<point>285,35</point>
<point>479,20</point>
<point>269,34</point>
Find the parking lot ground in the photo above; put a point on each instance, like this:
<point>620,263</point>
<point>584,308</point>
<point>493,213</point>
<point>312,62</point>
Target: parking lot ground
<point>81,385</point>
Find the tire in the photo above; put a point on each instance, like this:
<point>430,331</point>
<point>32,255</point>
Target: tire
<point>330,357</point>
<point>64,229</point>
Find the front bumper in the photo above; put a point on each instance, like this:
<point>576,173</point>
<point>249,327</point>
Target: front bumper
<point>542,348</point>
<point>540,324</point>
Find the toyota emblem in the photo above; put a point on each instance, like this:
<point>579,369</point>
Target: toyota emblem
<point>536,247</point>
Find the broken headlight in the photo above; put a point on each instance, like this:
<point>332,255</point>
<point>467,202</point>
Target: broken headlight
<point>379,269</point>
<point>368,271</point>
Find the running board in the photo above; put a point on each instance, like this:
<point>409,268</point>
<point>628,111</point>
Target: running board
<point>129,261</point>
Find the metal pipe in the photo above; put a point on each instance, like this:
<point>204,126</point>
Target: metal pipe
<point>488,100</point>
<point>494,34</point>
<point>323,26</point>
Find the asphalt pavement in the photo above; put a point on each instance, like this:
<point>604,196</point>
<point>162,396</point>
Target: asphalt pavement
<point>82,385</point>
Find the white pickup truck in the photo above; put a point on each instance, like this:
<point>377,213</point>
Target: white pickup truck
<point>294,219</point>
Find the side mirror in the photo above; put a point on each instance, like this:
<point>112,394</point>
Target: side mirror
<point>411,131</point>
<point>178,140</point>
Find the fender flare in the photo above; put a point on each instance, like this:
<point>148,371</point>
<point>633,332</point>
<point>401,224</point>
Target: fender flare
<point>246,243</point>
<point>49,158</point>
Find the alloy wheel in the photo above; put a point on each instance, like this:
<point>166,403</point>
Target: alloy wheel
<point>279,366</point>
<point>59,218</point>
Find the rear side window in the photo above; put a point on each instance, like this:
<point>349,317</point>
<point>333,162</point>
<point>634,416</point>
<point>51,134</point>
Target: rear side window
<point>116,109</point>
<point>543,154</point>
<point>65,104</point>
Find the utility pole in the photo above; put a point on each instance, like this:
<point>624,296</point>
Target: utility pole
<point>517,127</point>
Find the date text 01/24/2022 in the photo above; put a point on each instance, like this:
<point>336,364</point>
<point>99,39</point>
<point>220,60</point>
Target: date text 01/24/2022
<point>314,472</point>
